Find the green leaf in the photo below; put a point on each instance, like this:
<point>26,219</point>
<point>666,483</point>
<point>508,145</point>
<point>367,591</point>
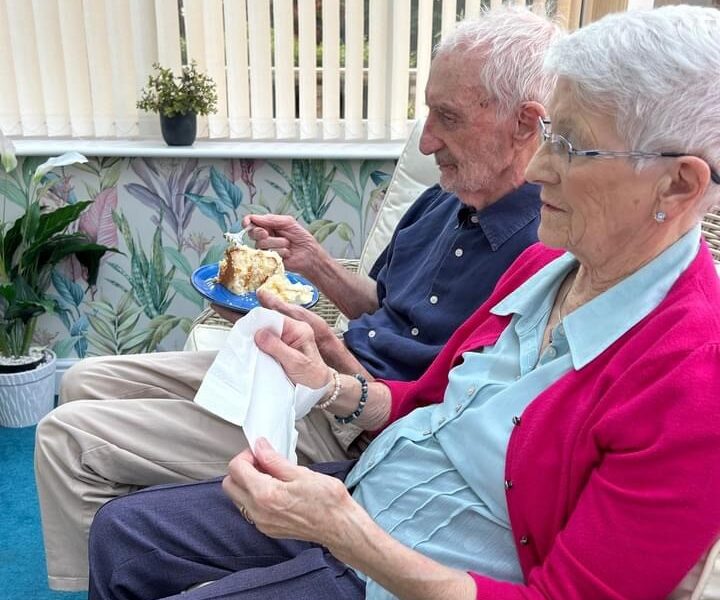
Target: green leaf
<point>214,254</point>
<point>211,208</point>
<point>366,170</point>
<point>345,232</point>
<point>226,190</point>
<point>30,164</point>
<point>178,259</point>
<point>188,291</point>
<point>347,194</point>
<point>345,167</point>
<point>10,190</point>
<point>64,347</point>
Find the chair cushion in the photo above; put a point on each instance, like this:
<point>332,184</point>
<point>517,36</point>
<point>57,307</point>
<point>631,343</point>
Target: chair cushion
<point>413,174</point>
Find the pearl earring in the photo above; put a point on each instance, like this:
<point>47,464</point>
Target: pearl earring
<point>660,216</point>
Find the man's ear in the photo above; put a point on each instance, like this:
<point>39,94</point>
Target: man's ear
<point>527,124</point>
<point>683,186</point>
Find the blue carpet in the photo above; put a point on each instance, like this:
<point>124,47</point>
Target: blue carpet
<point>23,575</point>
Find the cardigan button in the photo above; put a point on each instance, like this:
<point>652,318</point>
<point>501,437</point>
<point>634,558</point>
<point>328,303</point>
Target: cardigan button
<point>524,540</point>
<point>516,421</point>
<point>508,484</point>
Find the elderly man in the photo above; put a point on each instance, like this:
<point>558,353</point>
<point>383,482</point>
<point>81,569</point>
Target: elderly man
<point>485,95</point>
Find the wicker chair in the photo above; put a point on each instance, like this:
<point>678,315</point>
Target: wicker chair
<point>711,231</point>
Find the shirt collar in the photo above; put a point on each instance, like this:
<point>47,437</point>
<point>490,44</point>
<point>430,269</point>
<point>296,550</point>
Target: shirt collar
<point>593,327</point>
<point>505,217</point>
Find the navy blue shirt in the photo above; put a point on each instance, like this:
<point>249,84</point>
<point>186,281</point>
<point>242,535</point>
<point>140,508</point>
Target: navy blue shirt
<point>442,262</point>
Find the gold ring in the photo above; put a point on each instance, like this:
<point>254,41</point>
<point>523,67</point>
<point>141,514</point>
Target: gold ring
<point>244,513</point>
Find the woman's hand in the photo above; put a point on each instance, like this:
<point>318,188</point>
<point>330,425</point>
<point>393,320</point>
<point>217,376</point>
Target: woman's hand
<point>287,501</point>
<point>297,353</point>
<point>299,250</point>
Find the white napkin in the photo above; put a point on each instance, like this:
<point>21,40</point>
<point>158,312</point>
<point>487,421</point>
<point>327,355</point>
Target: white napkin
<point>247,387</point>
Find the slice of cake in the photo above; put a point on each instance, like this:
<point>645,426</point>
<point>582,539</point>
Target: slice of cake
<point>294,293</point>
<point>243,269</point>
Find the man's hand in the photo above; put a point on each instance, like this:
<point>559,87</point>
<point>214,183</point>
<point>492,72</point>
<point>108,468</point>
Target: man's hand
<point>284,500</point>
<point>299,250</point>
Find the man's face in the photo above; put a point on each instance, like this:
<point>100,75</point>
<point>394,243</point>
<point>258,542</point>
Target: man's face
<point>471,146</point>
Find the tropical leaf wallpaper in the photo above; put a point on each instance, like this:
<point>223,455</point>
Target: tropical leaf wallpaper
<point>167,217</point>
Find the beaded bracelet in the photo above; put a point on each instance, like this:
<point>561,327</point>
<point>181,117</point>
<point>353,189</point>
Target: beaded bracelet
<point>361,405</point>
<point>335,393</point>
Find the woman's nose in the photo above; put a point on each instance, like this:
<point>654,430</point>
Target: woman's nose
<point>540,168</point>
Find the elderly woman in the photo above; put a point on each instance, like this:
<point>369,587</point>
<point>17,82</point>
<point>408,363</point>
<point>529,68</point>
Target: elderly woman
<point>565,442</point>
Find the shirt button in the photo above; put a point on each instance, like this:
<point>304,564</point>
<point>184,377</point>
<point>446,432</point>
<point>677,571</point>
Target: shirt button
<point>458,407</point>
<point>470,391</point>
<point>441,421</point>
<point>508,484</point>
<point>414,331</point>
<point>516,421</point>
<point>371,333</point>
<point>458,252</point>
<point>371,462</point>
<point>474,219</point>
<point>524,540</point>
<point>427,432</point>
<point>551,352</point>
<point>433,299</point>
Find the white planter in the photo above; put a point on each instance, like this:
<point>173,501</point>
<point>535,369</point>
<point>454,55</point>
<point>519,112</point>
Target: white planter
<point>26,397</point>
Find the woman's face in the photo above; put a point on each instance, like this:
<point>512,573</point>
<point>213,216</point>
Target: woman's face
<point>593,207</point>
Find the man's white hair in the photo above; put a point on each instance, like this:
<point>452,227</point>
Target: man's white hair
<point>656,72</point>
<point>511,43</point>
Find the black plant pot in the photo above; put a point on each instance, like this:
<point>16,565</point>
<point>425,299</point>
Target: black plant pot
<point>179,130</point>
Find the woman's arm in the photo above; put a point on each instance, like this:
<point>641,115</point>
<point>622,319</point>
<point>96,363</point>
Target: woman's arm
<point>300,358</point>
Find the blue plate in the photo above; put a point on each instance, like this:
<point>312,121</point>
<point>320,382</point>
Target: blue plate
<point>203,280</point>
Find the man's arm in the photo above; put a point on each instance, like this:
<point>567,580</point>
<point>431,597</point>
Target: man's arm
<point>351,293</point>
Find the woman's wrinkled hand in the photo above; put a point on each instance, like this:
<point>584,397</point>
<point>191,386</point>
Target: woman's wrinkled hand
<point>297,353</point>
<point>285,500</point>
<point>321,330</point>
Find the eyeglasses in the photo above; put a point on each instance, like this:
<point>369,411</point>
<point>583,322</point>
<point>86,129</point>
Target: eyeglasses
<point>560,145</point>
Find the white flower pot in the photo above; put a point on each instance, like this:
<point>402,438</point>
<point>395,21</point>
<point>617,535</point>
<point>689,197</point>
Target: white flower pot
<point>26,397</point>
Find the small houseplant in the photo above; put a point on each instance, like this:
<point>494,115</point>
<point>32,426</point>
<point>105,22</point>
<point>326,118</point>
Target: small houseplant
<point>30,247</point>
<point>178,100</point>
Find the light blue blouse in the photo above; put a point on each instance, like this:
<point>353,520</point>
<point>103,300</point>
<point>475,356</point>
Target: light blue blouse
<point>434,479</point>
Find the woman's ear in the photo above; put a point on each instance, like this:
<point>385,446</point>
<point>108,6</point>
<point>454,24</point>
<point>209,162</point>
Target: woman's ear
<point>683,186</point>
<point>527,125</point>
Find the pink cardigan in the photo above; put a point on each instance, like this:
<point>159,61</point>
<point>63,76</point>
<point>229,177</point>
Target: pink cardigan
<point>615,468</point>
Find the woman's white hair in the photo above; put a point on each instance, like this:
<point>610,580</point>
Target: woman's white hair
<point>512,42</point>
<point>656,72</point>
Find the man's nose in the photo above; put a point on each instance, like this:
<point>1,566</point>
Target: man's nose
<point>429,142</point>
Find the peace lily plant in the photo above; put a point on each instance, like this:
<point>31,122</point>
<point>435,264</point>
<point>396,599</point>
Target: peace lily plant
<point>30,247</point>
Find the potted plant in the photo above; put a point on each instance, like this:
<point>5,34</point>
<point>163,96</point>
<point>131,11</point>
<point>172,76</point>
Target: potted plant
<point>30,247</point>
<point>178,100</point>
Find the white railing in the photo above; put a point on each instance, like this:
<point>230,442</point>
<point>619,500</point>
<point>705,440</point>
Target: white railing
<point>74,68</point>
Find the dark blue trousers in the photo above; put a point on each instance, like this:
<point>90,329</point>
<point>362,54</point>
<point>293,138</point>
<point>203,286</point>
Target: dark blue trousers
<point>160,541</point>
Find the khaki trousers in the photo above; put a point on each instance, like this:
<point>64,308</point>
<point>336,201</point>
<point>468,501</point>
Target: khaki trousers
<point>127,422</point>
